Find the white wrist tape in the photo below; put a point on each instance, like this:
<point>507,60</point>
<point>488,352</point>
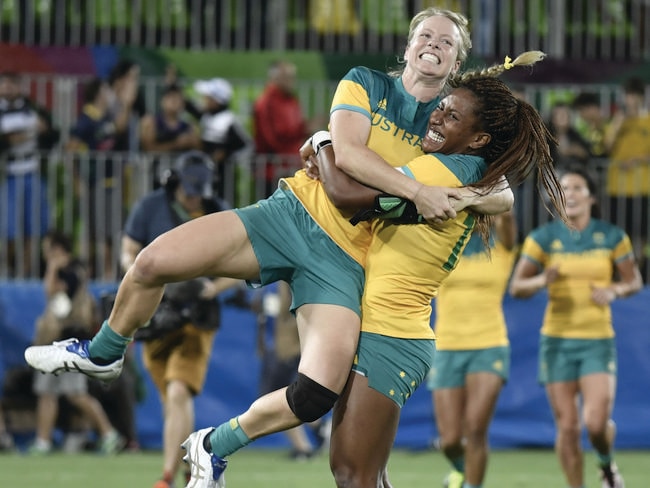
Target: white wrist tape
<point>321,139</point>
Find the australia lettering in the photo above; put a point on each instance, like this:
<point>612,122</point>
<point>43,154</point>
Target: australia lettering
<point>386,125</point>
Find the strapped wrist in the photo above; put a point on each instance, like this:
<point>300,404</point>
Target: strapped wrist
<point>320,139</point>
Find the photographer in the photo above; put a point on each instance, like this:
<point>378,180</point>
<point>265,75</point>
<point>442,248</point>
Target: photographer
<point>178,339</point>
<point>70,311</point>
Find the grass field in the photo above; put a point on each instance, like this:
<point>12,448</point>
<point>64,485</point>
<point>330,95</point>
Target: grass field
<point>253,468</point>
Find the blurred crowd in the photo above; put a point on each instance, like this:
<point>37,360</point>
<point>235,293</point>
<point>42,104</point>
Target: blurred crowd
<point>114,130</point>
<point>250,151</point>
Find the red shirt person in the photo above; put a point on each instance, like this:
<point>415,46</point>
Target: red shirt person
<point>279,125</point>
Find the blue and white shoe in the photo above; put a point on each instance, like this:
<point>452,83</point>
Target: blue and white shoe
<point>206,469</point>
<point>71,355</point>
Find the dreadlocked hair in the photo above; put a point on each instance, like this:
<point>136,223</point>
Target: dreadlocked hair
<point>519,143</point>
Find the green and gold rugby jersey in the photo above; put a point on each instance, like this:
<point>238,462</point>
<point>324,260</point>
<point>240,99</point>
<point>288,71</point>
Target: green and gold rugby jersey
<point>585,259</point>
<point>398,124</point>
<point>469,306</point>
<point>406,264</point>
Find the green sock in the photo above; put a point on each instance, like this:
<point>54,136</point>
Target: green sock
<point>604,459</point>
<point>108,344</point>
<point>458,463</point>
<point>228,438</point>
<point>467,485</point>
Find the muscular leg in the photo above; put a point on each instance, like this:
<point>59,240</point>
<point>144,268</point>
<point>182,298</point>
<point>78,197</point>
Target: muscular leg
<point>213,245</point>
<point>178,423</point>
<point>361,442</point>
<point>598,400</point>
<point>328,340</point>
<point>449,407</point>
<point>563,397</point>
<point>482,394</point>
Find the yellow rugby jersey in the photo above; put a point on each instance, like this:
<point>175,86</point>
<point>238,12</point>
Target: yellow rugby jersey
<point>584,258</point>
<point>469,311</point>
<point>398,123</point>
<point>633,141</point>
<point>406,264</point>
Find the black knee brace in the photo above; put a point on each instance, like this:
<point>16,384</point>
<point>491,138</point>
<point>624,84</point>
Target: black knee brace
<point>308,400</point>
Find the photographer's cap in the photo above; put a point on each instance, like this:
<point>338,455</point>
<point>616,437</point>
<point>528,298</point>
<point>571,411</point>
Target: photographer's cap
<point>196,173</point>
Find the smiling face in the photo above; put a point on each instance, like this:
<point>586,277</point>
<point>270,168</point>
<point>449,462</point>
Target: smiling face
<point>433,48</point>
<point>454,127</point>
<point>579,199</point>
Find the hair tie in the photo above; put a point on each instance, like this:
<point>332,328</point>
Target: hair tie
<point>507,63</point>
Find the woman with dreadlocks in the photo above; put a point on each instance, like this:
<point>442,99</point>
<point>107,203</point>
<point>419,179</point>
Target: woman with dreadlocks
<point>479,134</point>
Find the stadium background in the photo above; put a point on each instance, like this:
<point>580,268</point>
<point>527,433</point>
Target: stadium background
<point>592,45</point>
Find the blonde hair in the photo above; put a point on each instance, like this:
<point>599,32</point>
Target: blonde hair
<point>528,58</point>
<point>459,20</point>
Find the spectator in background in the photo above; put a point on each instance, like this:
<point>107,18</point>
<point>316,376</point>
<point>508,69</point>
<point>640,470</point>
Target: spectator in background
<point>178,340</point>
<point>126,104</point>
<point>222,135</point>
<point>472,361</point>
<point>591,123</point>
<point>278,345</point>
<point>95,129</point>
<point>628,173</point>
<point>279,125</point>
<point>571,149</point>
<point>167,132</point>
<point>577,357</point>
<point>94,138</point>
<point>24,209</point>
<point>70,310</point>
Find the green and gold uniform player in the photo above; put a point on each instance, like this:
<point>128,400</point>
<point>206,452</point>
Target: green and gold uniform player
<point>472,359</point>
<point>577,356</point>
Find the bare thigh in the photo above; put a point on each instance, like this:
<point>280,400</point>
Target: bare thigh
<point>482,393</point>
<point>597,398</point>
<point>364,425</point>
<point>213,245</point>
<point>328,341</point>
<point>563,399</point>
<point>449,408</point>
